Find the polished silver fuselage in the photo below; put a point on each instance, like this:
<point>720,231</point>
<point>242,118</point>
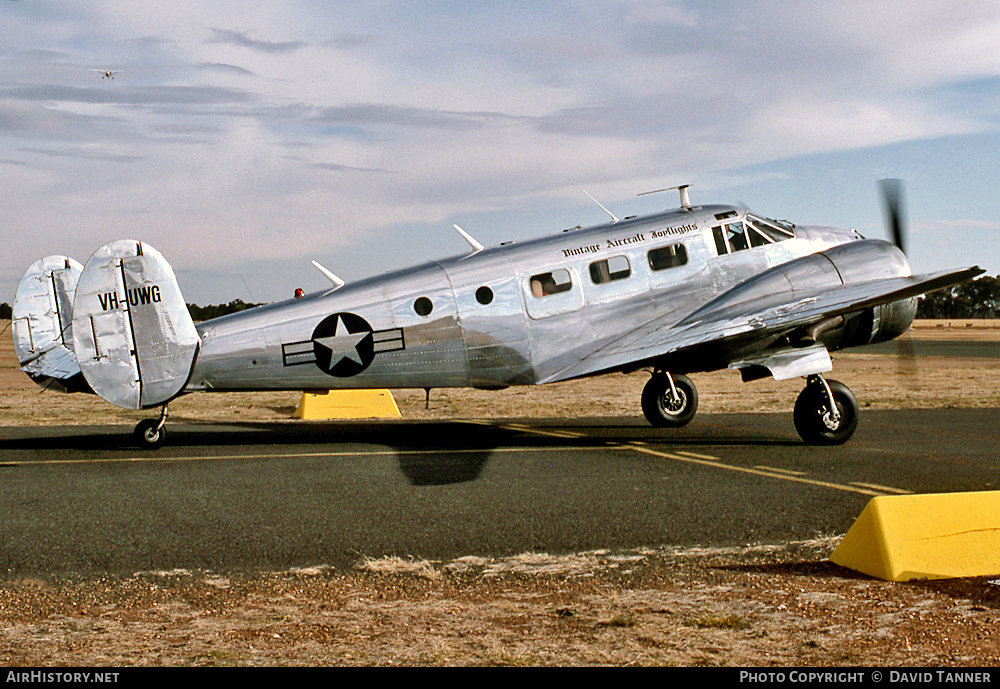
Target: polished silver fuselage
<point>486,328</point>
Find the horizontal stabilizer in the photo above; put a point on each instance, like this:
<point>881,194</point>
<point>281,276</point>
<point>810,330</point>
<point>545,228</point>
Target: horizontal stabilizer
<point>41,321</point>
<point>135,341</point>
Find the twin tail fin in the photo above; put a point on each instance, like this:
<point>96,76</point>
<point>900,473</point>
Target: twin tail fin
<point>118,326</point>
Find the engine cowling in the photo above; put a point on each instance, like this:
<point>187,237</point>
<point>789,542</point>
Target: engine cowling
<point>881,323</point>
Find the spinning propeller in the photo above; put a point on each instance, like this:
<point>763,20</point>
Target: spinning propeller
<point>892,195</point>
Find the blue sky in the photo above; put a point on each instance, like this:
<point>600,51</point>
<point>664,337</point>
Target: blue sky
<point>244,139</point>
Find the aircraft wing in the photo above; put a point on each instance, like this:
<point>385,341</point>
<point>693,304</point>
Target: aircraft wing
<point>766,317</point>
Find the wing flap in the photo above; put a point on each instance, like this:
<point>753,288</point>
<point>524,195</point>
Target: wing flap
<point>790,363</point>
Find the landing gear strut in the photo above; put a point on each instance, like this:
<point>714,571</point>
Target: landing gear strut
<point>669,401</point>
<point>826,412</point>
<point>150,433</point>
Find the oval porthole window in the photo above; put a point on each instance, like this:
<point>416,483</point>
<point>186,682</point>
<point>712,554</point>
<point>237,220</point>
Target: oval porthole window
<point>423,306</point>
<point>484,295</point>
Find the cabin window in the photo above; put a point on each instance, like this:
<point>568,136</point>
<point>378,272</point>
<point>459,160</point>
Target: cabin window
<point>423,306</point>
<point>545,284</point>
<point>668,257</point>
<point>484,295</point>
<point>610,269</point>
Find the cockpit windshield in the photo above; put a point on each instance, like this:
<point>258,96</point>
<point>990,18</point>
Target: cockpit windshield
<point>752,231</point>
<point>776,230</point>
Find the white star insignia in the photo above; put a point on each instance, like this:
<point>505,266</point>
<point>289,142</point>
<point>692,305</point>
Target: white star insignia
<point>342,344</point>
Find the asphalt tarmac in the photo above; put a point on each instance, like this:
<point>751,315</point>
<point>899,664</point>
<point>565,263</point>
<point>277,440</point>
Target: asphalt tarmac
<point>950,348</point>
<point>85,500</point>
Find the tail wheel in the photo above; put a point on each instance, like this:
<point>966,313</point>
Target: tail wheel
<point>150,433</point>
<point>669,406</point>
<point>816,422</point>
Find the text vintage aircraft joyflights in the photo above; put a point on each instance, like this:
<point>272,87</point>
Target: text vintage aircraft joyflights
<point>694,289</point>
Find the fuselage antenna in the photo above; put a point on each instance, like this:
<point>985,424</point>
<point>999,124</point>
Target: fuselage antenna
<point>476,246</point>
<point>337,282</point>
<point>613,217</point>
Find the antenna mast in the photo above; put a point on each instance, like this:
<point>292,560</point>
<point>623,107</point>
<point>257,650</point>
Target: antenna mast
<point>683,189</point>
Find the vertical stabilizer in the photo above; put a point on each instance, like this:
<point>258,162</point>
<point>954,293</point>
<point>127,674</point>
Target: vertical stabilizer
<point>135,341</point>
<point>41,321</point>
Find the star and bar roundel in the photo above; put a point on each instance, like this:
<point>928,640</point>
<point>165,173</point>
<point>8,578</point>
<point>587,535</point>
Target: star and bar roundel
<point>342,345</point>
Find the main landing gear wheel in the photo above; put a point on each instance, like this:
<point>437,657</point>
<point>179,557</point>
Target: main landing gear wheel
<point>669,401</point>
<point>150,433</point>
<point>820,423</point>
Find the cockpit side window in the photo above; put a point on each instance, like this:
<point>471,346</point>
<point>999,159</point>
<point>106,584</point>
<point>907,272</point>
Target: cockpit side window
<point>721,247</point>
<point>756,237</point>
<point>554,282</point>
<point>736,234</point>
<point>730,237</point>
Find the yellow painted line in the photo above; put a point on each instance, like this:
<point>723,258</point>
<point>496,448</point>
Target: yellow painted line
<point>668,455</point>
<point>887,489</point>
<point>696,455</point>
<point>535,431</point>
<point>520,428</point>
<point>787,472</point>
<point>634,445</point>
<point>757,472</point>
<point>870,489</point>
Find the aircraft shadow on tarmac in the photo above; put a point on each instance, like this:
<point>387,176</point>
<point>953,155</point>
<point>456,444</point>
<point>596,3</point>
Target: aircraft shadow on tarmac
<point>429,452</point>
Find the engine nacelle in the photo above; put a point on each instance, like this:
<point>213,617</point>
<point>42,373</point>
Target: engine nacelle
<point>881,323</point>
<point>878,324</point>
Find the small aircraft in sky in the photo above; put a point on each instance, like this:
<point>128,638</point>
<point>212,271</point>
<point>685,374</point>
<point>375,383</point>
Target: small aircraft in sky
<point>107,73</point>
<point>693,289</point>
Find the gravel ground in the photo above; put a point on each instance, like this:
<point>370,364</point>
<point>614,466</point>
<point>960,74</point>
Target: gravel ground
<point>759,606</point>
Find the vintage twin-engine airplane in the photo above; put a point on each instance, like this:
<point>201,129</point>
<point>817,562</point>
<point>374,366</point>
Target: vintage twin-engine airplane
<point>687,290</point>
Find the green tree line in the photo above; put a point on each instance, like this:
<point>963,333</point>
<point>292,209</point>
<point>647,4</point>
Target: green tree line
<point>205,313</point>
<point>979,298</point>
